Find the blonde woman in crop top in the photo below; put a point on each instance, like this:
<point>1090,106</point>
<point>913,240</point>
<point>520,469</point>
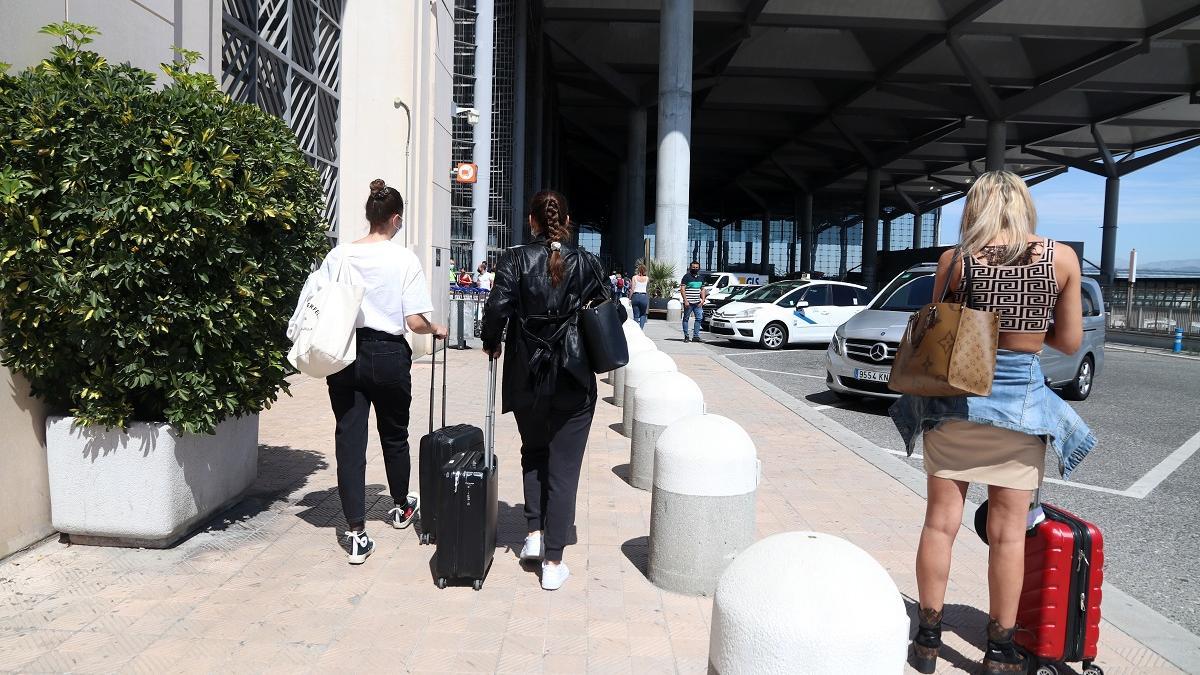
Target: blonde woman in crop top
<point>1033,284</point>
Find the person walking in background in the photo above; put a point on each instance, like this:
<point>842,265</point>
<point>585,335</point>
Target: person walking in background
<point>694,296</point>
<point>395,302</point>
<point>1000,439</point>
<point>548,382</point>
<point>638,297</point>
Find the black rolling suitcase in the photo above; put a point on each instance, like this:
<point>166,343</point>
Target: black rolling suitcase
<point>437,447</point>
<point>467,507</point>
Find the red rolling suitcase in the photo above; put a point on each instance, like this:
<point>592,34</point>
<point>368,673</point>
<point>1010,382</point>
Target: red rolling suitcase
<point>1058,618</point>
<point>437,448</point>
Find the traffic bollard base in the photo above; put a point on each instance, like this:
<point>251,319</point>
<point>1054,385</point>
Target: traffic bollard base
<point>689,546</point>
<point>641,454</point>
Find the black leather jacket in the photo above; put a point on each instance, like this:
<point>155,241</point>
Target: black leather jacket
<point>543,350</point>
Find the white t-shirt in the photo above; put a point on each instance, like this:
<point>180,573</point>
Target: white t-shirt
<point>486,279</point>
<point>393,279</point>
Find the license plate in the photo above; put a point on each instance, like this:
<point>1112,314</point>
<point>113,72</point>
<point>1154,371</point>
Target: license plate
<point>871,375</point>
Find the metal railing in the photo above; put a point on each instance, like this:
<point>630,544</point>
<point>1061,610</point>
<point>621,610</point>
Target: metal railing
<point>1159,312</point>
<point>466,315</point>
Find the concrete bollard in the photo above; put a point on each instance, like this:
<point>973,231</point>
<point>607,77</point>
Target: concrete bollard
<point>674,310</point>
<point>628,307</point>
<point>640,367</point>
<point>638,343</point>
<point>807,602</point>
<point>704,465</point>
<point>660,400</point>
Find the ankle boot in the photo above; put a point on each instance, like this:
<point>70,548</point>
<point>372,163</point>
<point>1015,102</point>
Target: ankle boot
<point>1002,655</point>
<point>928,641</point>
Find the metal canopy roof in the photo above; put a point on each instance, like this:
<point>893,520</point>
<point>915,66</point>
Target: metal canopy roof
<point>806,94</point>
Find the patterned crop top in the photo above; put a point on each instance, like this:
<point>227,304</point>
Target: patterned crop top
<point>1022,294</point>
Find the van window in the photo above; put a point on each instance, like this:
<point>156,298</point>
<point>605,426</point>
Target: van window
<point>845,296</point>
<point>1091,306</point>
<point>817,296</point>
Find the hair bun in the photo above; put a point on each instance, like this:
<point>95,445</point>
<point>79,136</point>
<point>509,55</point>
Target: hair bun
<point>377,185</point>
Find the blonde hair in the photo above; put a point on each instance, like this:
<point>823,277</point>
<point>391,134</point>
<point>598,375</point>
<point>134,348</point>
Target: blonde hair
<point>998,209</point>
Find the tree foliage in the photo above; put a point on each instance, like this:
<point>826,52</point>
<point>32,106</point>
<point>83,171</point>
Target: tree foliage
<point>152,241</point>
<point>663,281</point>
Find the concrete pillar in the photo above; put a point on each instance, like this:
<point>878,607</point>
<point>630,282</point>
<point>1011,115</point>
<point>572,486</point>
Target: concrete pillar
<point>996,140</point>
<point>764,265</point>
<point>749,253</point>
<point>619,230</point>
<point>481,191</point>
<point>641,367</point>
<point>635,200</point>
<point>806,598</point>
<point>870,231</point>
<point>660,400</point>
<point>703,464</point>
<point>887,233</point>
<point>638,343</point>
<point>916,233</point>
<point>538,173</point>
<point>520,226</point>
<point>807,245</point>
<point>673,181</point>
<point>1108,245</point>
<point>722,253</point>
<point>844,244</point>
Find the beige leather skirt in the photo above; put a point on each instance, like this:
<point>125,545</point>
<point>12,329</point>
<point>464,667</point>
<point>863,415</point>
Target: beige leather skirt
<point>981,453</point>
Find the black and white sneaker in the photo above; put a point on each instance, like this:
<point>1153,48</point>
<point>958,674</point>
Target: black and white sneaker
<point>696,338</point>
<point>358,546</point>
<point>402,515</point>
<point>687,339</point>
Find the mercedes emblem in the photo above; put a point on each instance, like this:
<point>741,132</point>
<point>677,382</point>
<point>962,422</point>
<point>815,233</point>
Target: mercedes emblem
<point>879,351</point>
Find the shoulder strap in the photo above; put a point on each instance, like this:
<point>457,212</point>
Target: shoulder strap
<point>950,273</point>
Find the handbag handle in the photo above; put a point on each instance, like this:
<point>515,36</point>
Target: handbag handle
<point>964,283</point>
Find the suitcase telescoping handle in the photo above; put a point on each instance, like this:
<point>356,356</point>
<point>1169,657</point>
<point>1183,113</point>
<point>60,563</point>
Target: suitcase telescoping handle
<point>433,379</point>
<point>489,422</point>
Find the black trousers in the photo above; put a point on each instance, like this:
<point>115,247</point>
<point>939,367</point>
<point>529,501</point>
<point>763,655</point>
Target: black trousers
<point>381,377</point>
<point>553,439</point>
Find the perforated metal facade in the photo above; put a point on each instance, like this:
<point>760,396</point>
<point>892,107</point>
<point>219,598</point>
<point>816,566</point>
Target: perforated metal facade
<point>285,57</point>
<point>463,148</point>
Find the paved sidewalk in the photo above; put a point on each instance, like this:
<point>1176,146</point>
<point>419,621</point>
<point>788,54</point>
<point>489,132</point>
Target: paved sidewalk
<point>265,588</point>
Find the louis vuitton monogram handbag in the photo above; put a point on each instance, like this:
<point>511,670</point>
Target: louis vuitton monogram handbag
<point>948,349</point>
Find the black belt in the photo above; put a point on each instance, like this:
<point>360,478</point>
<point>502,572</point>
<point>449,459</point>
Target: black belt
<point>371,335</point>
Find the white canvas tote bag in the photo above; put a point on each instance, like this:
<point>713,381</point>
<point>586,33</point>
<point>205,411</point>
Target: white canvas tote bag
<point>324,342</point>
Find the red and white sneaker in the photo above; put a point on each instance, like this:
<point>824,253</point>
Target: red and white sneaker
<point>402,515</point>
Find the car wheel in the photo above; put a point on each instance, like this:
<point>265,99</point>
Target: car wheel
<point>1081,387</point>
<point>774,336</point>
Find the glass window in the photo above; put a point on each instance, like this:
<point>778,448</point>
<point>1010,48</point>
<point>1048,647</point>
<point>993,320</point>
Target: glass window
<point>907,293</point>
<point>1089,303</point>
<point>864,298</point>
<point>817,296</point>
<point>770,292</point>
<point>789,301</point>
<point>844,296</point>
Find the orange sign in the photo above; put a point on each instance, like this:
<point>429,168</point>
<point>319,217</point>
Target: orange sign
<point>466,173</point>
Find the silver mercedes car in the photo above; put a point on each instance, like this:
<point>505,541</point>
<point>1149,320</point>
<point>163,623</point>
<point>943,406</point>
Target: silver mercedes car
<point>859,359</point>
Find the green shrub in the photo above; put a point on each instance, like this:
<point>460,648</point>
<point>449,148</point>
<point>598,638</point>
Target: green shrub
<point>152,243</point>
<point>663,281</point>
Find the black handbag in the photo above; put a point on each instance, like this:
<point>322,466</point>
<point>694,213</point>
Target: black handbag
<point>600,328</point>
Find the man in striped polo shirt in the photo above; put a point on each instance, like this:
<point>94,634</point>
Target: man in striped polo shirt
<point>694,296</point>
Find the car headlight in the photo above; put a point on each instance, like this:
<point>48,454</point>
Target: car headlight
<point>839,345</point>
<point>741,314</point>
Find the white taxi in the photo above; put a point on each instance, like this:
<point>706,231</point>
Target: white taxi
<point>790,312</point>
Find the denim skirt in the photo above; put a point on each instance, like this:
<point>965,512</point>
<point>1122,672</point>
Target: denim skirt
<point>1020,401</point>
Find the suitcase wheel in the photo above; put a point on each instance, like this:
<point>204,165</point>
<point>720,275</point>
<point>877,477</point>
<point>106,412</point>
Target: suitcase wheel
<point>1092,669</point>
<point>478,585</point>
<point>441,582</point>
<point>424,538</point>
<point>1047,669</point>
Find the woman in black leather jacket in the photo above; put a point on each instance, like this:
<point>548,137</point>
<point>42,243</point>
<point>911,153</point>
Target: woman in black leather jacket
<point>548,382</point>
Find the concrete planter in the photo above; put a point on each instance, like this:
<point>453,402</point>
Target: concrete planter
<point>148,486</point>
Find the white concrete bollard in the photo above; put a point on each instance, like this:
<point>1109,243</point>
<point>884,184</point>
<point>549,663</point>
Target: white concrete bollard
<point>674,310</point>
<point>660,400</point>
<point>640,367</point>
<point>625,328</point>
<point>628,307</point>
<point>702,508</point>
<point>807,602</point>
<point>638,343</point>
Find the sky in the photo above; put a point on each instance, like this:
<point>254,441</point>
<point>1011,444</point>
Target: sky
<point>1159,211</point>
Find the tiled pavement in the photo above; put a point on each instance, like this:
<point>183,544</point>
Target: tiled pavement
<point>265,588</point>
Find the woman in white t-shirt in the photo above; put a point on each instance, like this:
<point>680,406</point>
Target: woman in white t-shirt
<point>395,302</point>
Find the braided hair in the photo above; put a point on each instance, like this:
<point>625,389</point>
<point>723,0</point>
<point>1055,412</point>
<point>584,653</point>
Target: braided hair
<point>549,210</point>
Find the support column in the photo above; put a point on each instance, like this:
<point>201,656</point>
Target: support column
<point>870,230</point>
<point>519,225</point>
<point>764,265</point>
<point>1108,246</point>
<point>481,192</point>
<point>674,132</point>
<point>844,243</point>
<point>887,233</point>
<point>635,193</point>
<point>619,229</point>
<point>807,245</point>
<point>996,141</point>
<point>538,174</point>
<point>722,256</point>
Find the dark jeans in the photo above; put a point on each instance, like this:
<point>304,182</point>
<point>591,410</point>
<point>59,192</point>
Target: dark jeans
<point>381,377</point>
<point>553,440</point>
<point>641,307</point>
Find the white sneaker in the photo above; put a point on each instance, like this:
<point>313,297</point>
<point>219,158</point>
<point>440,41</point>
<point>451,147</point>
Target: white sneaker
<point>554,576</point>
<point>532,550</point>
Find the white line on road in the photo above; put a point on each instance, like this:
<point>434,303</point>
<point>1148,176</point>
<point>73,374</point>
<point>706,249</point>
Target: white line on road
<point>1159,473</point>
<point>784,372</point>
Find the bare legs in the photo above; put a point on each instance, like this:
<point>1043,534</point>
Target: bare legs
<point>1007,511</point>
